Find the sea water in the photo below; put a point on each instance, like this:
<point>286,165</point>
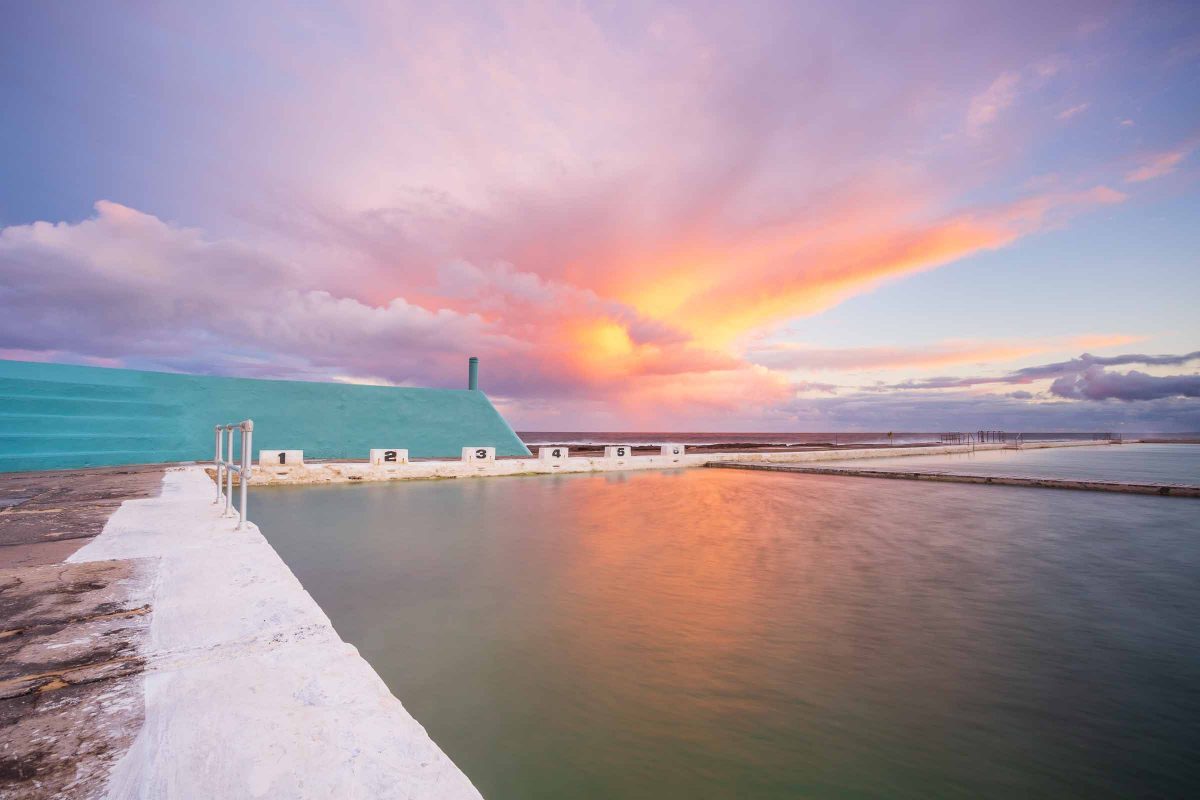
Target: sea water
<point>710,633</point>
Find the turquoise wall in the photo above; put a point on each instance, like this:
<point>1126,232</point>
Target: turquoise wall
<point>56,416</point>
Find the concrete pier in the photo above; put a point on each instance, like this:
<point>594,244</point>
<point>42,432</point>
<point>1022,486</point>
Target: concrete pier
<point>1160,489</point>
<point>173,656</point>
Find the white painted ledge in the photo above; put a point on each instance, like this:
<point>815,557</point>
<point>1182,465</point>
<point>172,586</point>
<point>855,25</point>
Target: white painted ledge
<point>249,691</point>
<point>348,471</point>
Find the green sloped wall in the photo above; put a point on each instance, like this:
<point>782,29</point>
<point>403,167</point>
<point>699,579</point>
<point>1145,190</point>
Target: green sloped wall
<point>58,416</point>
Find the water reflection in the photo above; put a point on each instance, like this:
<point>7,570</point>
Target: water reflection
<point>719,634</point>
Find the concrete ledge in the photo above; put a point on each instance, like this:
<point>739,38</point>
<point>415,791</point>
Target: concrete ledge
<point>348,472</point>
<point>248,690</point>
<point>1159,489</point>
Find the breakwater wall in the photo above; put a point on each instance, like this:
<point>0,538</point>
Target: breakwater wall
<point>1121,487</point>
<point>351,472</point>
<point>57,416</point>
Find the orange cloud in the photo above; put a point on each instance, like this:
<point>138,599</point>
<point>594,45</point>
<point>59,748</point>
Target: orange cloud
<point>791,356</point>
<point>725,291</point>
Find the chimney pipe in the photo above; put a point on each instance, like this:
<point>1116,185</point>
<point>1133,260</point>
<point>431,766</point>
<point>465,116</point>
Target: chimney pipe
<point>473,373</point>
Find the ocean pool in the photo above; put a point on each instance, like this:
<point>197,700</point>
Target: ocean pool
<point>1133,463</point>
<point>710,633</point>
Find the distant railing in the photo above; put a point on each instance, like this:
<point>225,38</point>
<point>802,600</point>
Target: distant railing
<point>225,465</point>
<point>1018,439</point>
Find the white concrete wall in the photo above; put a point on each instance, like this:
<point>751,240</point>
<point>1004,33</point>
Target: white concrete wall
<point>343,472</point>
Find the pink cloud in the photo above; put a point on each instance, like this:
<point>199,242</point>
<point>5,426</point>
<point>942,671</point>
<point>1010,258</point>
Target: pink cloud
<point>986,106</point>
<point>1159,165</point>
<point>1073,111</point>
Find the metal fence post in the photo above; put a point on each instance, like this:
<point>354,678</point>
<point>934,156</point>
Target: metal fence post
<point>217,466</point>
<point>229,474</point>
<point>247,465</point>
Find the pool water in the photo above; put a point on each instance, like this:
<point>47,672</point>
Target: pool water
<point>711,633</point>
<point>1131,463</point>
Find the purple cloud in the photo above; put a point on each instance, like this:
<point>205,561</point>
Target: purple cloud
<point>1096,383</point>
<point>1070,371</point>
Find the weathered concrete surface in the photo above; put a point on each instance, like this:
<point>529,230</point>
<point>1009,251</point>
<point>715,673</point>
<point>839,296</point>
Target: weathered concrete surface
<point>71,637</point>
<point>70,634</point>
<point>1159,489</point>
<point>249,691</point>
<point>347,472</point>
<point>46,516</point>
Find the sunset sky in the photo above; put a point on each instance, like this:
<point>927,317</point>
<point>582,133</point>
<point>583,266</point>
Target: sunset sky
<point>642,216</point>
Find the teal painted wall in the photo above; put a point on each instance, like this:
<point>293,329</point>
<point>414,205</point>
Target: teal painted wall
<point>57,416</point>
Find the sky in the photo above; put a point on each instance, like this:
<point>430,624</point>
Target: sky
<point>648,216</point>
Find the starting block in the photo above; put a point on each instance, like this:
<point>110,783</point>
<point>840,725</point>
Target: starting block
<point>673,451</point>
<point>384,458</point>
<point>478,455</point>
<point>281,458</point>
<point>552,454</point>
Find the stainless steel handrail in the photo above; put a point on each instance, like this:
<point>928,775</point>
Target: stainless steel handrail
<point>225,465</point>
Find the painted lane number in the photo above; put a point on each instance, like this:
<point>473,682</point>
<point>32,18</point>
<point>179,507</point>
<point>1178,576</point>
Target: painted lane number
<point>389,456</point>
<point>281,458</point>
<point>552,454</point>
<point>477,454</point>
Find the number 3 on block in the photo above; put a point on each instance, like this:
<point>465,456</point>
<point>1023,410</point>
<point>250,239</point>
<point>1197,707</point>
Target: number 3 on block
<point>476,455</point>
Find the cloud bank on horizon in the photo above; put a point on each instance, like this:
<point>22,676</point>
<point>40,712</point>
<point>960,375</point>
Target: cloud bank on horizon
<point>665,216</point>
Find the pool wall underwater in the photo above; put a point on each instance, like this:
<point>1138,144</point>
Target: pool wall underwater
<point>56,416</point>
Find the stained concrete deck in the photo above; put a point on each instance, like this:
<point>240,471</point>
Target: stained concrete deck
<point>47,516</point>
<point>71,635</point>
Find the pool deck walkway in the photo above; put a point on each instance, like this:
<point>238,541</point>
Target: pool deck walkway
<point>1159,489</point>
<point>152,650</point>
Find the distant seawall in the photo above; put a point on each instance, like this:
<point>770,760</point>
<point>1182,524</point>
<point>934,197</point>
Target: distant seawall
<point>56,416</point>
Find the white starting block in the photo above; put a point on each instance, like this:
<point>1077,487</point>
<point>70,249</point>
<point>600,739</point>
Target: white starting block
<point>555,455</point>
<point>478,455</point>
<point>387,458</point>
<point>618,451</point>
<point>281,458</point>
<point>673,451</point>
